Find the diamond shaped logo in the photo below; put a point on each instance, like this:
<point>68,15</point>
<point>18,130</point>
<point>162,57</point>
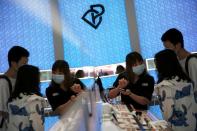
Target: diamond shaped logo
<point>94,16</point>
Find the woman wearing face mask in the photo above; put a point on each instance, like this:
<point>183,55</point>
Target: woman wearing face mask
<point>63,88</point>
<point>134,85</point>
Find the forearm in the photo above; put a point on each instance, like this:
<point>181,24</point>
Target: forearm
<point>139,99</point>
<point>63,108</point>
<point>114,92</point>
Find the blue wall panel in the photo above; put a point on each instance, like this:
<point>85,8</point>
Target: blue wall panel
<point>86,46</point>
<point>26,23</point>
<point>154,17</point>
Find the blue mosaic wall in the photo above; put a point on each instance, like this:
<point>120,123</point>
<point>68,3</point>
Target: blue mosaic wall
<point>86,46</point>
<point>154,17</point>
<point>26,23</point>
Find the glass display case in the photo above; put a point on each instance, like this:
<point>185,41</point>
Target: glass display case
<point>90,113</point>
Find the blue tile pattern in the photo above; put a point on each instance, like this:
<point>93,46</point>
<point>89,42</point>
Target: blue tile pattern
<point>155,17</point>
<point>26,23</point>
<point>86,46</point>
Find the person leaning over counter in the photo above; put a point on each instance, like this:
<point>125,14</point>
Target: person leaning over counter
<point>63,88</point>
<point>134,85</point>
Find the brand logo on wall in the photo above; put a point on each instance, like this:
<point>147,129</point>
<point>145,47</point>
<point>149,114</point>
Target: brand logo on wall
<point>94,15</point>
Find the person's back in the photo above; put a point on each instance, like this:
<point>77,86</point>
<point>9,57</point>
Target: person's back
<point>17,56</point>
<point>26,113</point>
<point>177,103</point>
<point>26,106</point>
<point>175,92</point>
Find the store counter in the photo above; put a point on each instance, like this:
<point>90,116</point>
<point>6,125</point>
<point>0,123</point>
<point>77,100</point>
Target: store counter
<point>89,113</point>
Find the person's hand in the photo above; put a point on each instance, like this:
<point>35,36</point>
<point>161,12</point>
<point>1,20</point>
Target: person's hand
<point>76,88</point>
<point>122,83</point>
<point>73,97</point>
<point>126,93</point>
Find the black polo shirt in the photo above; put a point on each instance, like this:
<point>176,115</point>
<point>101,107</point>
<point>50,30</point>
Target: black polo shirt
<point>57,96</point>
<point>143,87</point>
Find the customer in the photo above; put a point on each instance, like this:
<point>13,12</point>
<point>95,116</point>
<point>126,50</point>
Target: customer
<point>120,69</point>
<point>176,92</point>
<point>63,88</point>
<point>17,56</point>
<point>26,106</point>
<point>173,39</point>
<point>134,85</point>
<point>80,74</point>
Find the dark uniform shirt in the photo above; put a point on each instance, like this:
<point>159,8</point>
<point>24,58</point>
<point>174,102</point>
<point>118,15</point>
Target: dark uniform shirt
<point>143,87</point>
<point>57,96</point>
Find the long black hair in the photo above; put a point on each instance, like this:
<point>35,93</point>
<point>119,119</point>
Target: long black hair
<point>27,81</point>
<point>131,59</point>
<point>168,66</point>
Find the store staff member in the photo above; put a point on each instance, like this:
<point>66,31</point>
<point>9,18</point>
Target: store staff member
<point>63,88</point>
<point>135,85</point>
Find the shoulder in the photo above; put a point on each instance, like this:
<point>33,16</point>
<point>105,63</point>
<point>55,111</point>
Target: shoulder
<point>173,83</point>
<point>34,97</point>
<point>26,100</point>
<point>29,98</point>
<point>164,84</point>
<point>34,103</point>
<point>50,89</point>
<point>192,58</point>
<point>3,83</point>
<point>147,77</point>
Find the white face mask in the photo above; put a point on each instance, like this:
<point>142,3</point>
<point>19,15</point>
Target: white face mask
<point>58,78</point>
<point>138,70</point>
